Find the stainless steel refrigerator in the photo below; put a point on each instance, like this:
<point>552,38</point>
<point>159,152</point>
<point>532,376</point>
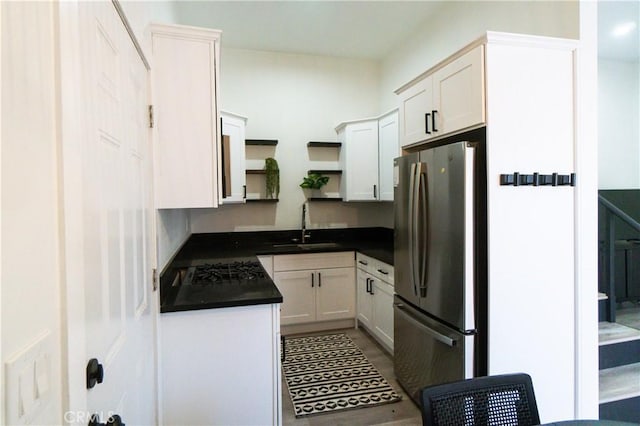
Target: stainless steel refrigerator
<point>440,265</point>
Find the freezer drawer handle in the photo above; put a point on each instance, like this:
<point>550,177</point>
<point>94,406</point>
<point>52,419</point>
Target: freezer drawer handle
<point>438,336</point>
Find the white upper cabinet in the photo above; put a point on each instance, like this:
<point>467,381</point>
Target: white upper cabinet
<point>234,183</point>
<point>368,149</point>
<point>444,100</point>
<point>415,103</point>
<point>388,149</point>
<point>458,94</point>
<point>186,125</point>
<point>359,160</point>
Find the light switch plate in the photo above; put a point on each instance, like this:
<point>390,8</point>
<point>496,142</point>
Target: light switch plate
<point>28,381</point>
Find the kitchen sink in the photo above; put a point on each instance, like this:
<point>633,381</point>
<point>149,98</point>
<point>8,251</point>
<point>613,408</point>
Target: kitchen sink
<point>307,246</point>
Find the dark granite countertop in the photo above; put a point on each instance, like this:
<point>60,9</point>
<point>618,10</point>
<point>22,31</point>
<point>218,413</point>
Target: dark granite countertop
<point>233,246</point>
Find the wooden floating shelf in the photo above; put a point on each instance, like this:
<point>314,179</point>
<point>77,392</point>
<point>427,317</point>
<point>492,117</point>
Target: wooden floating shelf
<point>324,144</point>
<point>325,172</point>
<point>262,200</point>
<point>263,142</point>
<point>325,199</point>
<point>255,171</point>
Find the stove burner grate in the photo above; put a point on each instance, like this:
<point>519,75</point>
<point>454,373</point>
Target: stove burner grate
<point>212,273</point>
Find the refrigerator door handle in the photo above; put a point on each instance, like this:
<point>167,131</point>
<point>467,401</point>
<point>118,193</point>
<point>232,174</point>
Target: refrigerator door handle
<point>424,219</point>
<point>438,336</point>
<point>412,230</point>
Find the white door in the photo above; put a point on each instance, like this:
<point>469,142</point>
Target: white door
<point>108,219</point>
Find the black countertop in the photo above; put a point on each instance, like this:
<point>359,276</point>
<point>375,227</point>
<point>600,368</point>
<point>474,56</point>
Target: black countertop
<point>245,246</point>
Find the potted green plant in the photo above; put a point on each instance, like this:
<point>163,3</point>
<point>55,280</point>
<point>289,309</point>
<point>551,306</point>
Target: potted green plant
<point>314,182</point>
<point>272,177</point>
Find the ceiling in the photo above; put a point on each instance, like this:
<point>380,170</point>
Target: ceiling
<point>359,29</point>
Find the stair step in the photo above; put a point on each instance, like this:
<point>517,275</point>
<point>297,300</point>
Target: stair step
<point>611,332</point>
<point>619,383</point>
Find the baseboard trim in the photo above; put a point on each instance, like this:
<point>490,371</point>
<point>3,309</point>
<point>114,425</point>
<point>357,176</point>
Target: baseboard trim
<point>312,327</point>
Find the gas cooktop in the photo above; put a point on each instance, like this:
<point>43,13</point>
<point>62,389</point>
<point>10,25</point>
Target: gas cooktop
<point>223,273</point>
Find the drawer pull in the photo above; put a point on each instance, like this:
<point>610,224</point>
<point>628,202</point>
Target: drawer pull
<point>383,272</point>
<point>362,262</point>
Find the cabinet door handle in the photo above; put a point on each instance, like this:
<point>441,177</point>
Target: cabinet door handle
<point>244,188</point>
<point>367,285</point>
<point>319,279</point>
<point>312,279</point>
<point>433,120</point>
<point>426,123</point>
<point>371,287</point>
<point>375,191</point>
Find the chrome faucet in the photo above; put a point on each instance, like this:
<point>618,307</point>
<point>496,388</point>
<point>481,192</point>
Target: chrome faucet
<point>304,224</point>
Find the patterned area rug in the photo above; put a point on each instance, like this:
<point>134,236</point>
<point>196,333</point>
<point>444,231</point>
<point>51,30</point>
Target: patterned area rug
<point>330,373</point>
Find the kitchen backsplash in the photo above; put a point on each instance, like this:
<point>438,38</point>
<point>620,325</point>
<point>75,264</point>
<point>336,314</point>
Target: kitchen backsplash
<point>278,216</point>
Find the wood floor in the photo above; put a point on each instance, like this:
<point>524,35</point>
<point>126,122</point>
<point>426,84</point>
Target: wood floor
<point>403,413</point>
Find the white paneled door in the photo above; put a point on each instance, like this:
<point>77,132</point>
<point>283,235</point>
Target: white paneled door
<point>107,169</point>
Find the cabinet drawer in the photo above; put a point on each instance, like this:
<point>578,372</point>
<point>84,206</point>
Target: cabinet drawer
<point>378,269</point>
<point>298,262</point>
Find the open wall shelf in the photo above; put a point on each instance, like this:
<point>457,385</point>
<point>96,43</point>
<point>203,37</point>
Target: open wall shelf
<point>262,142</point>
<point>325,199</point>
<point>262,200</point>
<point>324,144</point>
<point>325,172</point>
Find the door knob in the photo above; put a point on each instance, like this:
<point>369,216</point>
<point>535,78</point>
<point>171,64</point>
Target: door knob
<point>95,373</point>
<point>114,420</point>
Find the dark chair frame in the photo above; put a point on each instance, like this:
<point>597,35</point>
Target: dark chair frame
<point>432,397</point>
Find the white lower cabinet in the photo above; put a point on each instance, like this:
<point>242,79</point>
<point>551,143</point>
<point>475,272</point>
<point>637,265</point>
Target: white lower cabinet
<point>215,361</point>
<point>375,299</point>
<point>315,287</point>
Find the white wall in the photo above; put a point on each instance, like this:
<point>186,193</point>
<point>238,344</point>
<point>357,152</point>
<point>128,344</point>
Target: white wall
<point>457,23</point>
<point>619,131</point>
<point>298,98</point>
<point>30,290</point>
<point>141,13</point>
<point>294,99</point>
<point>173,229</point>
